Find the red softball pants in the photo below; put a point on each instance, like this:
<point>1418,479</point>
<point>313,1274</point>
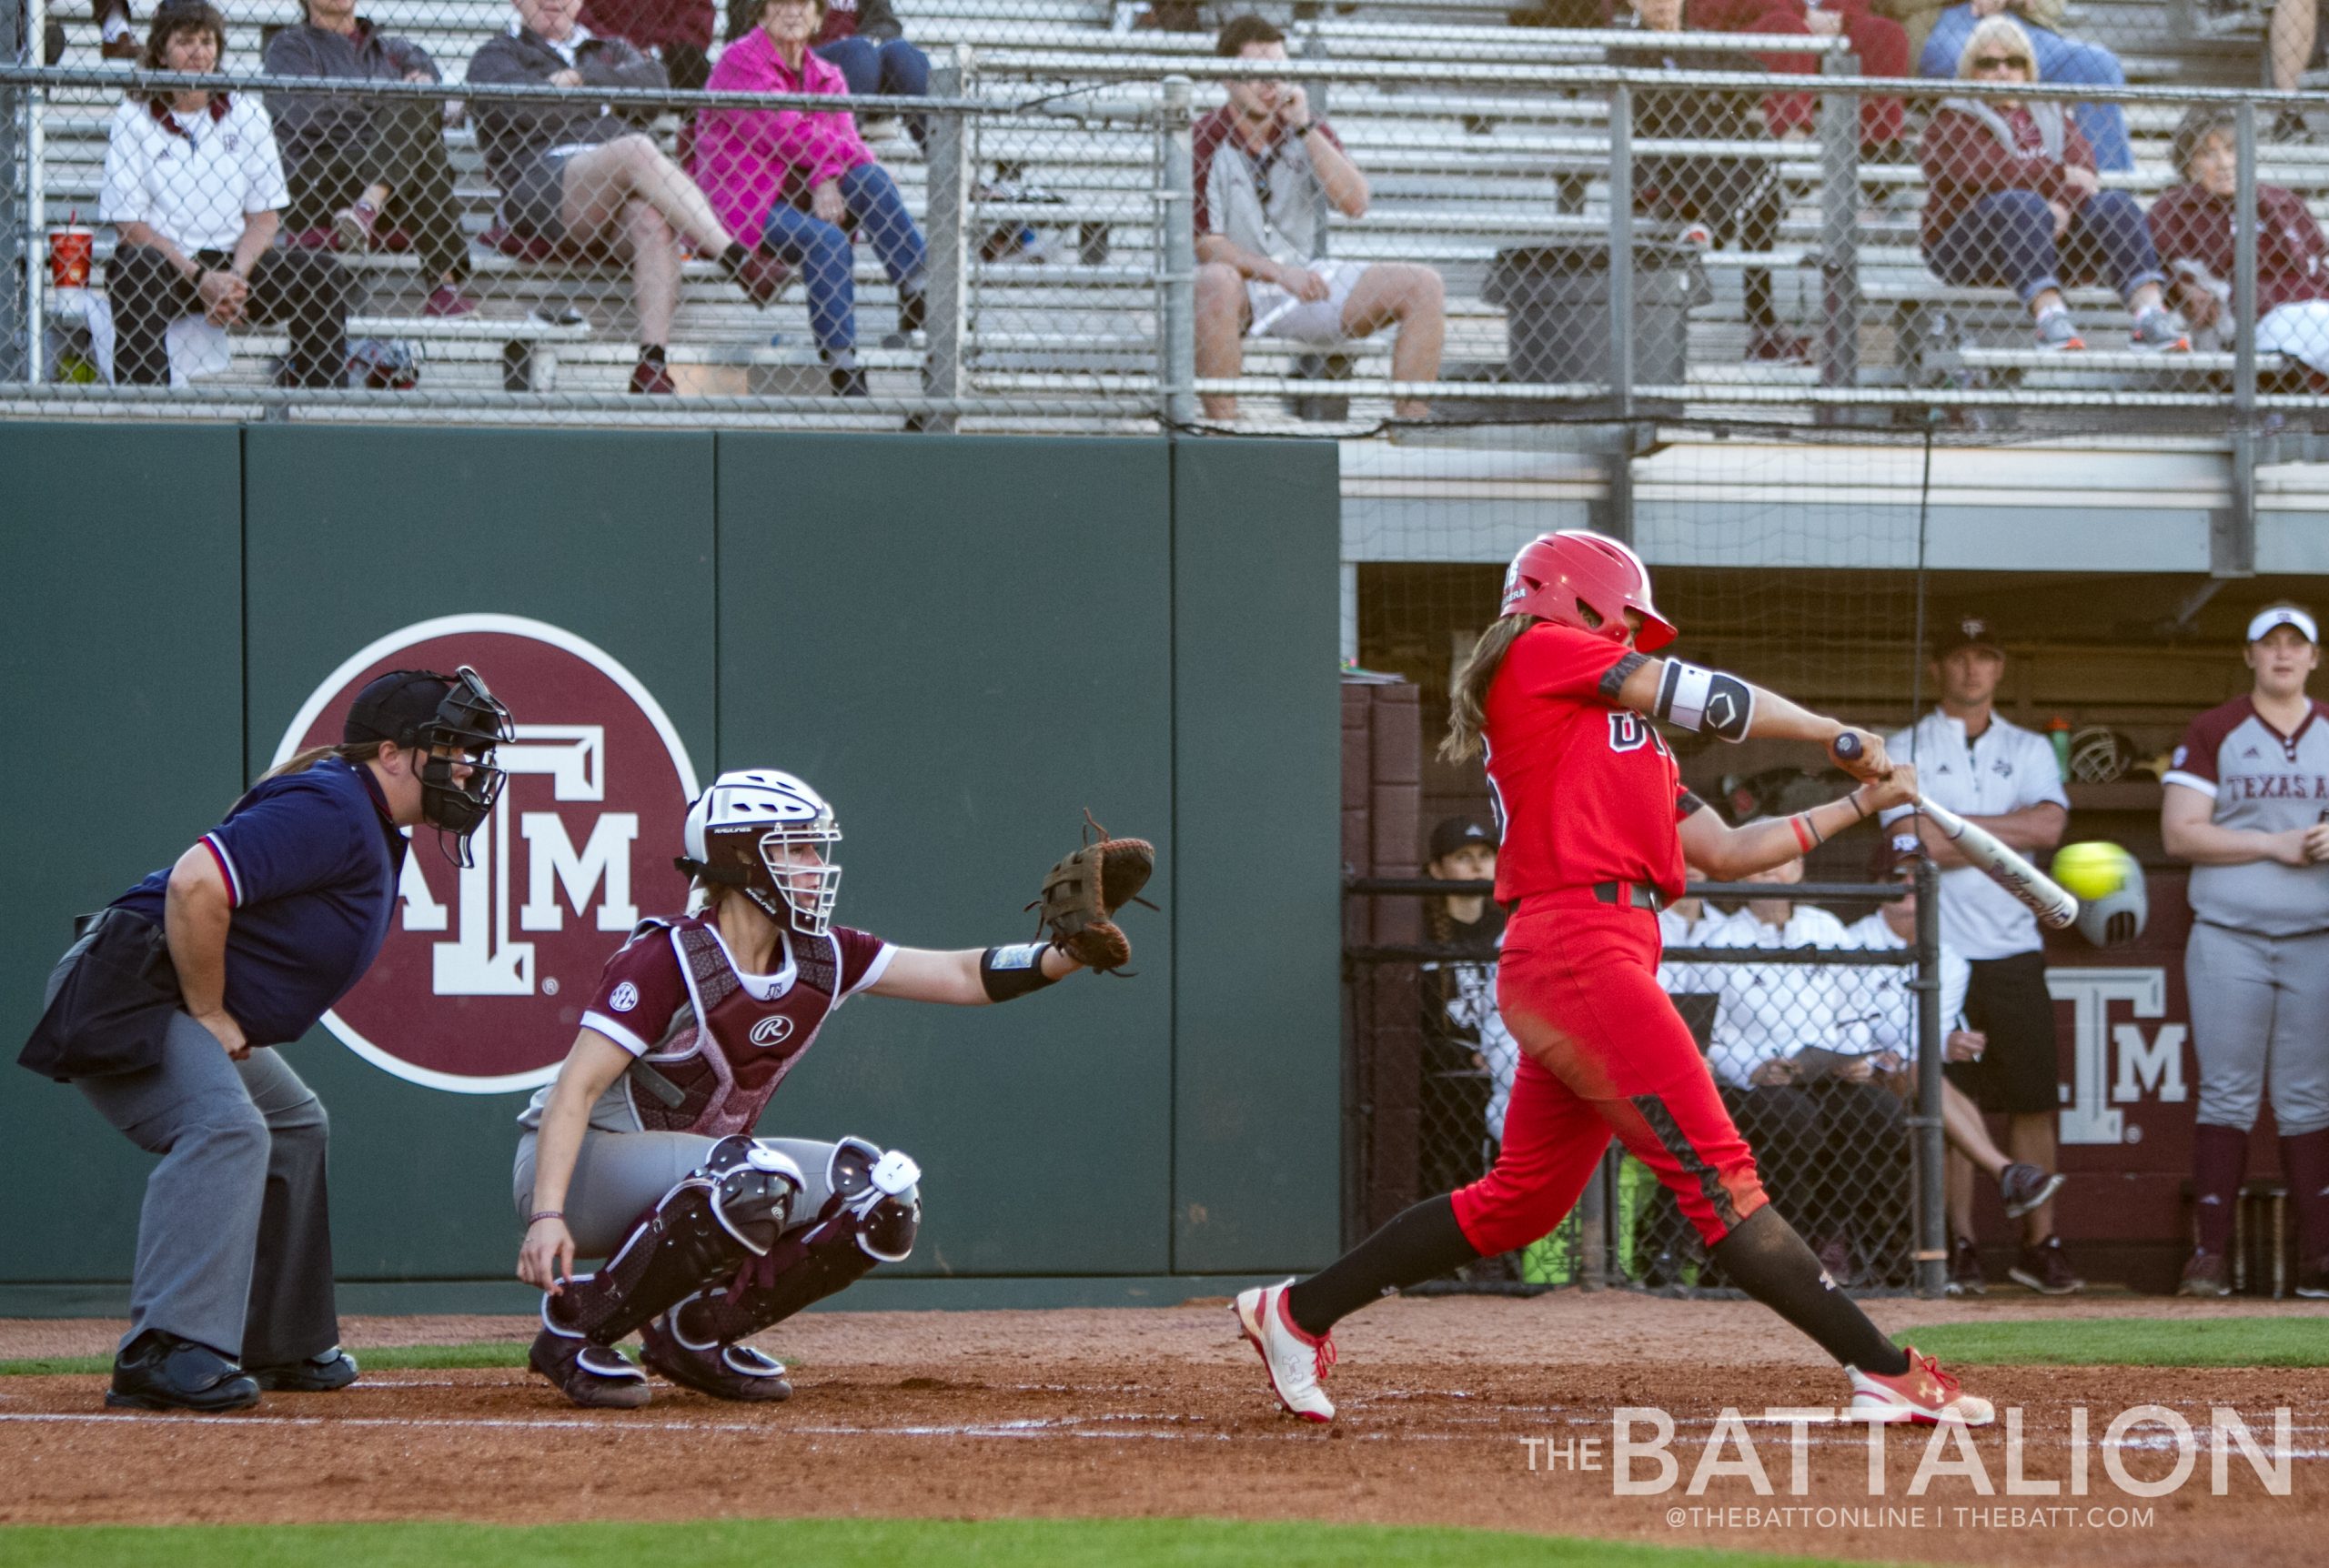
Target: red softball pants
<point>1603,1052</point>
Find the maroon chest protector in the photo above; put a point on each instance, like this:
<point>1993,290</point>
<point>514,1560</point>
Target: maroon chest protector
<point>729,1060</point>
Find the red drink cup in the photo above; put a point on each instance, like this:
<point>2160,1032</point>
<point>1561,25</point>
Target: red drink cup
<point>69,252</point>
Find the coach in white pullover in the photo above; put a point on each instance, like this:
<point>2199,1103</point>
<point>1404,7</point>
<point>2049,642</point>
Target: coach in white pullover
<point>2005,778</point>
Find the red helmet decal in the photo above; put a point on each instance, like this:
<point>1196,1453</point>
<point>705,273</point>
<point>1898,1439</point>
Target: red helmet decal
<point>1562,576</point>
<point>482,982</point>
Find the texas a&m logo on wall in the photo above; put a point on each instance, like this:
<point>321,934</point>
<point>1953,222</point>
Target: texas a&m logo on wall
<point>480,985</point>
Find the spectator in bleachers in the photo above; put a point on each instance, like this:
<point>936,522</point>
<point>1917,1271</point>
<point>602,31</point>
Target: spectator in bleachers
<point>2192,224</point>
<point>2292,46</point>
<point>575,177</point>
<point>676,32</point>
<point>867,41</point>
<point>2059,59</point>
<point>1830,1140</point>
<point>1266,169</point>
<point>1879,42</point>
<point>2014,201</point>
<point>193,183</point>
<point>1734,201</point>
<point>795,182</point>
<point>360,169</point>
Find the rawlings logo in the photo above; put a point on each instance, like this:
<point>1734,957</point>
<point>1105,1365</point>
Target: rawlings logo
<point>480,986</point>
<point>773,1030</point>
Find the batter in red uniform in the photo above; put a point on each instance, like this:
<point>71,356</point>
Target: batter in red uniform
<point>1559,696</point>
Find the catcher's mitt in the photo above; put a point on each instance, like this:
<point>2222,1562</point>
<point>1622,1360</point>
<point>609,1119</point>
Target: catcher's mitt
<point>1083,893</point>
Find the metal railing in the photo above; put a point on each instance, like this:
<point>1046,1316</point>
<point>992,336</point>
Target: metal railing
<point>1560,209</point>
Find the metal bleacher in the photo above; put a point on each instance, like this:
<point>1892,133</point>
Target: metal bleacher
<point>1493,151</point>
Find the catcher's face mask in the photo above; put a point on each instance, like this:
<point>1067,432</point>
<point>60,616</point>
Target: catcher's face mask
<point>795,857</point>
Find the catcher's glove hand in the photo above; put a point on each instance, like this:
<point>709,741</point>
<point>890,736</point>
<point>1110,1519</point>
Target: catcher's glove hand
<point>1083,893</point>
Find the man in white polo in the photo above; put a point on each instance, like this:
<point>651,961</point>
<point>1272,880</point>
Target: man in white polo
<point>2004,778</point>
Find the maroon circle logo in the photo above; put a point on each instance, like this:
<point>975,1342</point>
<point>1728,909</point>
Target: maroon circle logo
<point>482,982</point>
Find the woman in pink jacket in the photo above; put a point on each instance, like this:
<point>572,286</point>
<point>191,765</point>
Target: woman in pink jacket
<point>795,181</point>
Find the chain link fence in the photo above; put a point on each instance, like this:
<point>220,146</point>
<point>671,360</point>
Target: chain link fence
<point>1810,1023</point>
<point>1056,213</point>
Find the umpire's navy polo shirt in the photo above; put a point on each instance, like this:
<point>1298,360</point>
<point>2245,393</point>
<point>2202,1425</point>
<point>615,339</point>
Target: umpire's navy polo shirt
<point>311,861</point>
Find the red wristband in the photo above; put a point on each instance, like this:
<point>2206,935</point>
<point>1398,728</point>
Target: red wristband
<point>1803,836</point>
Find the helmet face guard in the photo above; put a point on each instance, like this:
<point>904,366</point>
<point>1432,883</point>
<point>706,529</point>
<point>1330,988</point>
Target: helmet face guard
<point>770,835</point>
<point>469,722</point>
<point>1587,581</point>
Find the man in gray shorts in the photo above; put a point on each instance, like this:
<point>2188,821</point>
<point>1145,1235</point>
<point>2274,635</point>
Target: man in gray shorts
<point>2247,803</point>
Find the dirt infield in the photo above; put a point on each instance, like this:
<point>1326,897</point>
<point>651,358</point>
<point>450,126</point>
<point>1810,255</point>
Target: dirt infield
<point>1163,1413</point>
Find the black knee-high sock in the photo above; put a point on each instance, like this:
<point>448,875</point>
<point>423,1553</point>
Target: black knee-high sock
<point>2219,1163</point>
<point>1421,1244</point>
<point>2304,1160</point>
<point>1770,1263</point>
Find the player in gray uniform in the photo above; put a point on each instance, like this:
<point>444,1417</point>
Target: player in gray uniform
<point>2003,777</point>
<point>2247,803</point>
<point>643,1153</point>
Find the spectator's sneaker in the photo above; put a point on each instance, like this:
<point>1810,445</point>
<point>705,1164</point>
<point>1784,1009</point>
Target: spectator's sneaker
<point>2044,1269</point>
<point>2025,1187</point>
<point>912,311</point>
<point>125,47</point>
<point>1699,236</point>
<point>352,227</point>
<point>653,377</point>
<point>2058,334</point>
<point>1294,1360</point>
<point>1777,346</point>
<point>736,1372</point>
<point>874,128</point>
<point>2158,331</point>
<point>2206,1273</point>
<point>760,275</point>
<point>1923,1393</point>
<point>448,301</point>
<point>1965,1277</point>
<point>326,1373</point>
<point>847,381</point>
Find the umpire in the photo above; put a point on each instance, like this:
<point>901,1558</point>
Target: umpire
<point>164,1011</point>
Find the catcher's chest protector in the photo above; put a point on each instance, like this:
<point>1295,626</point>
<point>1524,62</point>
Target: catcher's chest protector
<point>729,1057</point>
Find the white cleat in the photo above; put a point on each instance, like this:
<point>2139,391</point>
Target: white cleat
<point>1295,1360</point>
<point>1923,1393</point>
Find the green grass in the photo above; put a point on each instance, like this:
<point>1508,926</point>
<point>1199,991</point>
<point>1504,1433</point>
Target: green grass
<point>2130,1342</point>
<point>844,1543</point>
<point>376,1358</point>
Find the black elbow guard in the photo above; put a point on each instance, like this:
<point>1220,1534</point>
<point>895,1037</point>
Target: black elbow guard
<point>1014,970</point>
<point>1705,701</point>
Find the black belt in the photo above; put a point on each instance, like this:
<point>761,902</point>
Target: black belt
<point>1633,895</point>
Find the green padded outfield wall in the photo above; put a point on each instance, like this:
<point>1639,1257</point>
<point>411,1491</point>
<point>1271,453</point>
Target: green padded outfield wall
<point>962,642</point>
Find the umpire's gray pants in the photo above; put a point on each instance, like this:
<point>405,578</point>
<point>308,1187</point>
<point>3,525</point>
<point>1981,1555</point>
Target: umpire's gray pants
<point>234,1240</point>
<point>2260,1021</point>
<point>618,1176</point>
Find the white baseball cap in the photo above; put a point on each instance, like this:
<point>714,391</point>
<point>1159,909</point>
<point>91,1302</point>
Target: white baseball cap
<point>2282,615</point>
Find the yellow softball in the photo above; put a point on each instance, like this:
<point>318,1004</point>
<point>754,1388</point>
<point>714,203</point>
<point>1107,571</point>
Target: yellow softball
<point>2093,870</point>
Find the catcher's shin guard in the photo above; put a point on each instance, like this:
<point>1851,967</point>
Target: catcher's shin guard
<point>872,1218</point>
<point>730,1209</point>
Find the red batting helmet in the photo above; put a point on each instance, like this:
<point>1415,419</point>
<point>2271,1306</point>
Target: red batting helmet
<point>1558,577</point>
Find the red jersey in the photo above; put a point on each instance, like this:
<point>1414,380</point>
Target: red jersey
<point>1586,790</point>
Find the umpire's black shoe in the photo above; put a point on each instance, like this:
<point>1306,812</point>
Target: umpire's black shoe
<point>162,1372</point>
<point>326,1373</point>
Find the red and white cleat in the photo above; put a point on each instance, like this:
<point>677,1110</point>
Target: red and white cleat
<point>1924,1393</point>
<point>1295,1360</point>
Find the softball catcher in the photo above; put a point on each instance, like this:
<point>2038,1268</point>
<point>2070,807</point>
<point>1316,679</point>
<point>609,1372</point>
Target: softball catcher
<point>643,1151</point>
